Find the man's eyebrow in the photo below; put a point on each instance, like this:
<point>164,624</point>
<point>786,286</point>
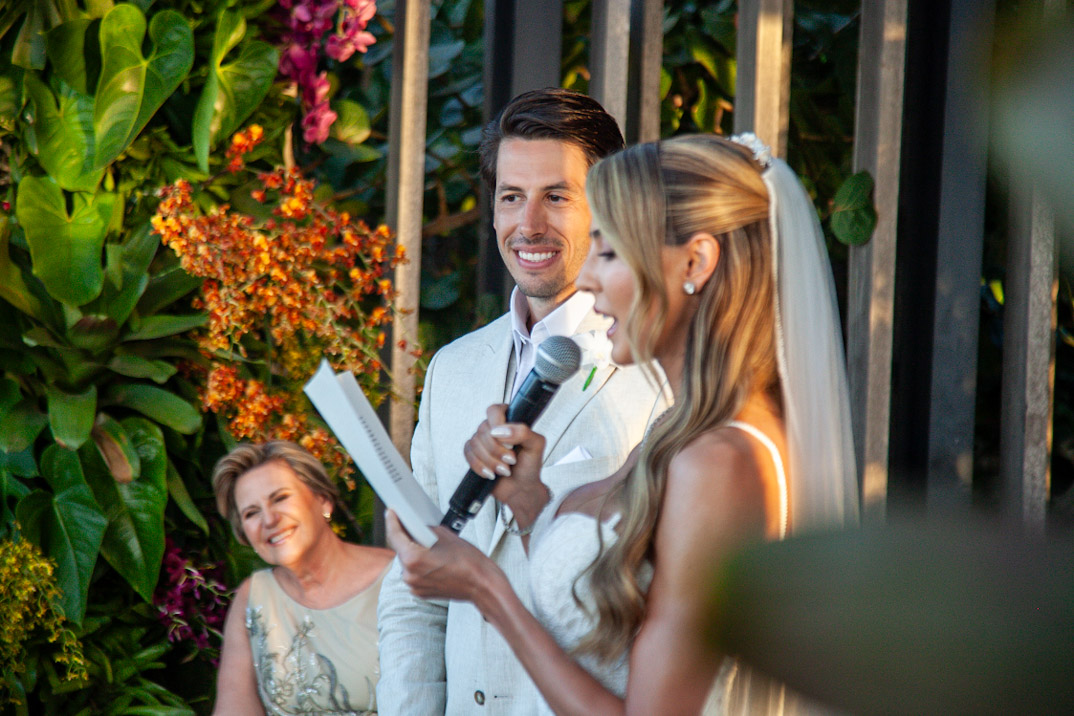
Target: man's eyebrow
<point>558,186</point>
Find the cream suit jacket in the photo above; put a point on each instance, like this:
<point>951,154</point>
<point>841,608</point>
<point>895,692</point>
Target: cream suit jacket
<point>444,658</point>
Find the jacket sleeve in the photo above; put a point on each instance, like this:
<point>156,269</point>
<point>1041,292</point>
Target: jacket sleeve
<point>413,674</point>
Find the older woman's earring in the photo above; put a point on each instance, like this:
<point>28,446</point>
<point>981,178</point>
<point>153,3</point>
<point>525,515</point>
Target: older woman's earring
<point>328,516</point>
<point>689,288</point>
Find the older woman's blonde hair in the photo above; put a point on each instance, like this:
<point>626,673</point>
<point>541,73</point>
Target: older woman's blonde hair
<point>248,456</point>
<point>645,198</point>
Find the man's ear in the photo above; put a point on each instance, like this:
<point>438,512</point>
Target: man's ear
<point>703,255</point>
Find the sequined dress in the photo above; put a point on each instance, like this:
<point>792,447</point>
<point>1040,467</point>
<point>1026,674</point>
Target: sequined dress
<point>313,661</point>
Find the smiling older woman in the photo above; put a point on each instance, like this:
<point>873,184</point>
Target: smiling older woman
<point>301,636</point>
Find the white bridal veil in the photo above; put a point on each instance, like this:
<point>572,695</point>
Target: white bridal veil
<point>816,405</point>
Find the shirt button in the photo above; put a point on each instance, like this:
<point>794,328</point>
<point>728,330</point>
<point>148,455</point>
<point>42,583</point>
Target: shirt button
<point>479,697</point>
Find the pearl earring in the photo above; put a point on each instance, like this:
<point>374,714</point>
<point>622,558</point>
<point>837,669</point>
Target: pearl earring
<point>328,516</point>
<point>689,288</point>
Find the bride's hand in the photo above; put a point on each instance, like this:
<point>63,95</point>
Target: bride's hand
<point>513,453</point>
<point>450,569</point>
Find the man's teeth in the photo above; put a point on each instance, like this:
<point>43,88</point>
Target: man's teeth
<point>529,256</point>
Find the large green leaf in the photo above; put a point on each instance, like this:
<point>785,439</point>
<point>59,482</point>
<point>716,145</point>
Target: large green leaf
<point>116,449</point>
<point>181,497</point>
<point>165,288</point>
<point>234,90</point>
<point>134,541</point>
<point>135,366</point>
<point>132,87</point>
<point>20,420</point>
<point>853,214</point>
<point>352,123</point>
<point>160,326</point>
<point>63,133</point>
<point>13,287</point>
<point>70,58</point>
<point>161,405</point>
<point>128,274</point>
<point>67,524</point>
<point>70,415</point>
<point>65,248</point>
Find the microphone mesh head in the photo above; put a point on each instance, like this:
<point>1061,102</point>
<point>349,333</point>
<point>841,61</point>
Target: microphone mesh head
<point>557,359</point>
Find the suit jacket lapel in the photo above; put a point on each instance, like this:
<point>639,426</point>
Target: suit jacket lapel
<point>571,398</point>
<point>486,393</point>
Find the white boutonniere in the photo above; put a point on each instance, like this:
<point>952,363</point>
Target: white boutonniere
<point>596,353</point>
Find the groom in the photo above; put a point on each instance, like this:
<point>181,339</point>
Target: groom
<point>438,657</point>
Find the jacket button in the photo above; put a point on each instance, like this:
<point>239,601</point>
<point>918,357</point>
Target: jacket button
<point>479,697</point>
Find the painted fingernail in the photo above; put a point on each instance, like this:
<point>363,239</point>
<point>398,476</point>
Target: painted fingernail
<point>509,458</point>
<point>500,432</point>
<point>488,473</point>
<point>503,470</point>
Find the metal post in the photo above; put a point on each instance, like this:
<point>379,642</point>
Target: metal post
<point>762,102</point>
<point>871,290</point>
<point>406,181</point>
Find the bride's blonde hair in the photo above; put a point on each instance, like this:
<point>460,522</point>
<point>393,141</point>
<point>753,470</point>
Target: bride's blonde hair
<point>644,198</point>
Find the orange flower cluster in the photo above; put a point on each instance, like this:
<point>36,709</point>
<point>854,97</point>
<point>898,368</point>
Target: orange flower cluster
<point>242,143</point>
<point>280,293</point>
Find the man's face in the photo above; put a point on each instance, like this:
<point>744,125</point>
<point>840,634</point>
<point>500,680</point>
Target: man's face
<point>541,217</point>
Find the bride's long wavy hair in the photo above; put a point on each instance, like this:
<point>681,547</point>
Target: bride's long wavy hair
<point>644,198</point>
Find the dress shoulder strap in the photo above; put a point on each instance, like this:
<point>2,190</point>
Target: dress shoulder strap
<point>777,460</point>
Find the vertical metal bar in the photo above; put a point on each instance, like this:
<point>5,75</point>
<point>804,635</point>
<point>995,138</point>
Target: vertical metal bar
<point>958,257</point>
<point>762,101</point>
<point>523,41</point>
<point>406,181</point>
<point>646,57</point>
<point>871,290</point>
<point>1029,323</point>
<point>609,56</point>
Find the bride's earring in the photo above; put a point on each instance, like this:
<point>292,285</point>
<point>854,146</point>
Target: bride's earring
<point>689,288</point>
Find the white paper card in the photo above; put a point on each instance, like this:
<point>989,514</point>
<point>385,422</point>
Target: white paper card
<point>347,411</point>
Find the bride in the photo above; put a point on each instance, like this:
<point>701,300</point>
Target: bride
<point>708,256</point>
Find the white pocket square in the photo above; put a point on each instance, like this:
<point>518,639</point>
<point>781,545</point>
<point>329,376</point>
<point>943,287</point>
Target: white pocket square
<point>578,454</point>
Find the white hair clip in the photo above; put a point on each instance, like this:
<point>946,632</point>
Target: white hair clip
<point>761,152</point>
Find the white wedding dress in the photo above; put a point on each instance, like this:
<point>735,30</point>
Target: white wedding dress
<point>561,549</point>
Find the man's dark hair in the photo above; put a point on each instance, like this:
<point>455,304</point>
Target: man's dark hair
<point>550,113</point>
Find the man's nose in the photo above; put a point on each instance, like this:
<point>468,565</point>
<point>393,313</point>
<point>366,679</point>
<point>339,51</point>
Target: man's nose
<point>534,220</point>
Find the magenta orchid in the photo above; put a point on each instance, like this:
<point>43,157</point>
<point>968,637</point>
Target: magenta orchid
<point>306,23</point>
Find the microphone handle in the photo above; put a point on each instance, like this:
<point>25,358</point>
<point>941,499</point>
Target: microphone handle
<point>530,400</point>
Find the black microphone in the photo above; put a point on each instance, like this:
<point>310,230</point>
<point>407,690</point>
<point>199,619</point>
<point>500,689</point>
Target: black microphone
<point>557,360</point>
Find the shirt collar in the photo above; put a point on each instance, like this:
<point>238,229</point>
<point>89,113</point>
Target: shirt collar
<point>563,321</point>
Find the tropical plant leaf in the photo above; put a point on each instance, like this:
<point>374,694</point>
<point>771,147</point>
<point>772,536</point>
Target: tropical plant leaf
<point>116,449</point>
<point>132,87</point>
<point>853,214</point>
<point>93,332</point>
<point>165,288</point>
<point>352,123</point>
<point>160,326</point>
<point>20,425</point>
<point>63,133</point>
<point>70,415</point>
<point>66,48</point>
<point>133,366</point>
<point>181,497</point>
<point>161,405</point>
<point>29,49</point>
<point>67,524</point>
<point>65,249</point>
<point>130,263</point>
<point>134,540</point>
<point>232,91</point>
